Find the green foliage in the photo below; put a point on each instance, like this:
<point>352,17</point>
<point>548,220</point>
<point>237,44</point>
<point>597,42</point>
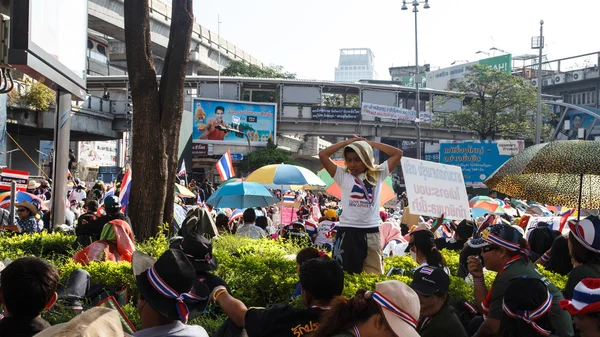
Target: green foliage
<point>240,68</point>
<point>268,155</point>
<point>338,100</point>
<point>497,104</point>
<point>32,94</point>
<point>259,272</point>
<point>560,281</point>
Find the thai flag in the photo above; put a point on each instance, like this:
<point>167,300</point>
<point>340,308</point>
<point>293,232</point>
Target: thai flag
<point>225,166</point>
<point>289,199</point>
<point>109,193</point>
<point>564,217</point>
<point>125,189</point>
<point>426,270</point>
<point>182,169</point>
<point>237,214</point>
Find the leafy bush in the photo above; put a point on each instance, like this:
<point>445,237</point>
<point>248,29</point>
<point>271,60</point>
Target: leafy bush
<point>259,272</point>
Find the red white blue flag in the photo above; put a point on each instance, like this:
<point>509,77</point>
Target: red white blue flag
<point>125,189</point>
<point>182,169</point>
<point>225,167</point>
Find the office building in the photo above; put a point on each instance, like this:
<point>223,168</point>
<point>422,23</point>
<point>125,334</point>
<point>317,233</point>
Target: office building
<point>355,64</point>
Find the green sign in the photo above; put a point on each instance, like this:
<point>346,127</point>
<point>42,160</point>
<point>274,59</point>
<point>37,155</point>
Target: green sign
<point>502,62</point>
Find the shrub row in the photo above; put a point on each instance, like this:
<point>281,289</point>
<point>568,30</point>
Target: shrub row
<point>259,273</point>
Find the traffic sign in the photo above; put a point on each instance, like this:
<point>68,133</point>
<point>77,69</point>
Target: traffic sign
<point>237,156</point>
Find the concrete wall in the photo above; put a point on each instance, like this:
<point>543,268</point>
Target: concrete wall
<point>18,160</point>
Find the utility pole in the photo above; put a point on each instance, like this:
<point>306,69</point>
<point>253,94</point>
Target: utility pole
<point>538,115</point>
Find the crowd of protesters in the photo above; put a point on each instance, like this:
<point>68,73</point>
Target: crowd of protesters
<point>348,237</point>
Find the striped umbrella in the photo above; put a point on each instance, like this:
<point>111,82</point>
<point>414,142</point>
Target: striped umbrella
<point>20,197</point>
<point>284,174</point>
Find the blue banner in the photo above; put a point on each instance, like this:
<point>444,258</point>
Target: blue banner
<point>478,159</point>
<point>233,122</point>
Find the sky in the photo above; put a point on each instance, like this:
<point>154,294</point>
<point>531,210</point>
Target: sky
<point>305,36</point>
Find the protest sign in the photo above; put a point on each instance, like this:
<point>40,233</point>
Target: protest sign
<point>434,189</point>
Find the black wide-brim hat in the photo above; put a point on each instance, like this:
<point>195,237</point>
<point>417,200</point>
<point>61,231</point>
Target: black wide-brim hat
<point>174,268</point>
<point>198,250</point>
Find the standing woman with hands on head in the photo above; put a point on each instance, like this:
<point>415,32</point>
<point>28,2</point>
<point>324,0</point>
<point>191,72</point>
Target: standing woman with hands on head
<point>357,244</point>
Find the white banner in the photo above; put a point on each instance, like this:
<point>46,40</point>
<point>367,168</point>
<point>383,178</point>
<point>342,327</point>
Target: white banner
<point>393,112</point>
<point>434,189</point>
<point>552,221</point>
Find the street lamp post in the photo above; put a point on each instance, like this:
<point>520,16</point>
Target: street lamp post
<point>538,115</point>
<point>415,5</point>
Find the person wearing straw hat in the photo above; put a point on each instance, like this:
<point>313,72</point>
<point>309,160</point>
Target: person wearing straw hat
<point>526,307</point>
<point>357,245</point>
<point>584,248</point>
<point>392,310</point>
<point>27,222</point>
<point>170,295</point>
<point>504,250</point>
<point>585,307</point>
<point>96,322</point>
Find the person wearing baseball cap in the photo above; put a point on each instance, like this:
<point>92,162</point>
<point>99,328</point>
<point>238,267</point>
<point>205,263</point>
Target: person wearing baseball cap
<point>584,248</point>
<point>438,318</point>
<point>585,307</point>
<point>504,250</point>
<point>392,310</point>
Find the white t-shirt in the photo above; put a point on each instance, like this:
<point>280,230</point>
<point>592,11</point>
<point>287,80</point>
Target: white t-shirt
<point>78,194</point>
<point>323,228</point>
<point>359,210</point>
<point>251,231</point>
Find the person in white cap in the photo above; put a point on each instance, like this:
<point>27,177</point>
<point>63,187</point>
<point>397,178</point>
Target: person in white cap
<point>392,310</point>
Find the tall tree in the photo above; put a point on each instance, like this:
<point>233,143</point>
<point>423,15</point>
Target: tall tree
<point>500,104</point>
<point>158,111</point>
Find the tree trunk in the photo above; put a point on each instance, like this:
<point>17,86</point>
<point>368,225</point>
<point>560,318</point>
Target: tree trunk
<point>157,115</point>
<point>172,91</point>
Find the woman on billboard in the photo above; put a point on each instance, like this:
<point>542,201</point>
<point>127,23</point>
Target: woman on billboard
<point>215,127</point>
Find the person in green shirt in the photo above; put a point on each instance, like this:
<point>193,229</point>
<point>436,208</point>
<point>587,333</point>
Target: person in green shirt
<point>438,318</point>
<point>584,247</point>
<point>504,251</point>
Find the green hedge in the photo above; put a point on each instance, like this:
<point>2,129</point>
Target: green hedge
<point>260,273</point>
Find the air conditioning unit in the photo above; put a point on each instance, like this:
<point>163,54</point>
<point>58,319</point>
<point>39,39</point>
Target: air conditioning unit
<point>578,75</point>
<point>559,78</point>
<point>548,81</point>
<point>534,82</point>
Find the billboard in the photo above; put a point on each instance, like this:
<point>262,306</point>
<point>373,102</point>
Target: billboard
<point>98,153</point>
<point>233,122</point>
<point>47,47</point>
<point>479,159</point>
<point>440,79</point>
<point>325,112</point>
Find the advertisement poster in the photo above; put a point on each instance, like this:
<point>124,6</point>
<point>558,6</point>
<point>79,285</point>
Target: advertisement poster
<point>478,159</point>
<point>98,153</point>
<point>392,112</point>
<point>325,112</point>
<point>577,120</point>
<point>434,189</point>
<point>230,122</point>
